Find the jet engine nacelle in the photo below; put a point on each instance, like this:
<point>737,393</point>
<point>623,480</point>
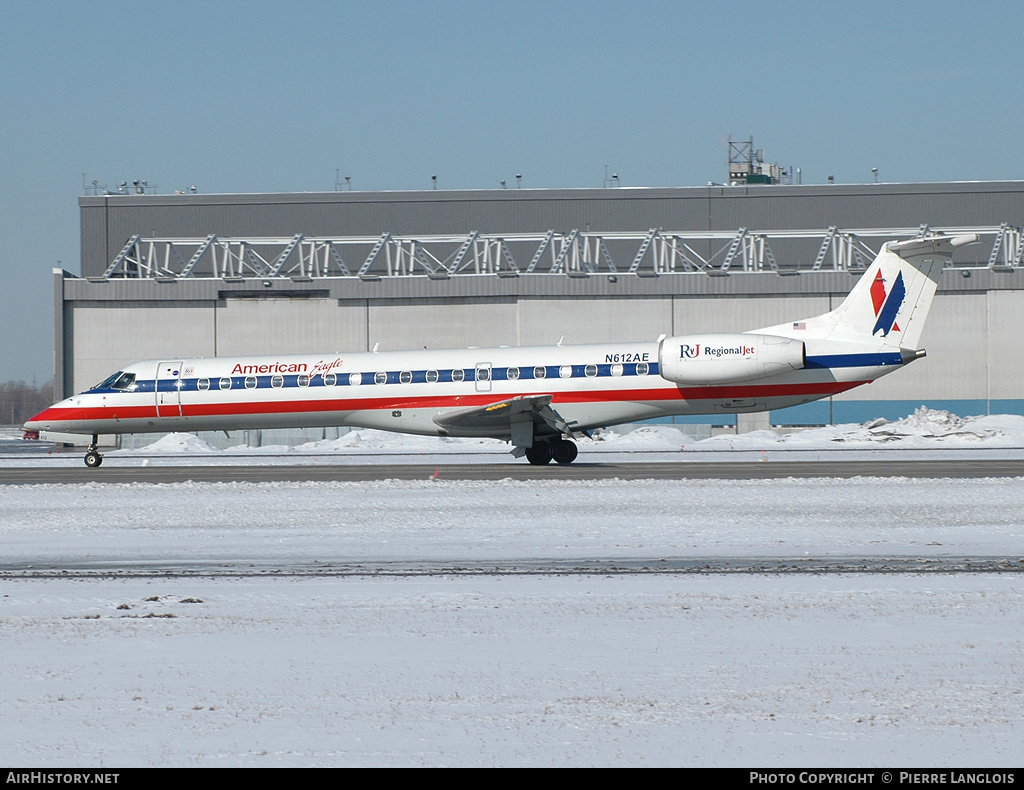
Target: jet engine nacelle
<point>724,359</point>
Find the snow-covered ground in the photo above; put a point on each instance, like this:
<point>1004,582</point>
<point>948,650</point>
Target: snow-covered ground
<point>741,670</point>
<point>922,433</point>
<point>720,671</point>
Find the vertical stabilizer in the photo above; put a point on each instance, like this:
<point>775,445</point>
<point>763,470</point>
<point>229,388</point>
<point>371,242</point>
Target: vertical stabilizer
<point>891,300</point>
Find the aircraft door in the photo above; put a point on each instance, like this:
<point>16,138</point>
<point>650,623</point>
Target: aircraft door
<point>483,376</point>
<point>168,389</point>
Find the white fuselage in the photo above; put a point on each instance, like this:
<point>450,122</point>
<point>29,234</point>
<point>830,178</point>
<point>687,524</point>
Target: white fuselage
<point>590,386</point>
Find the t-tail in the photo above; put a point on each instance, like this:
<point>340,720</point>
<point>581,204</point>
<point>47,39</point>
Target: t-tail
<point>888,306</point>
<point>886,310</point>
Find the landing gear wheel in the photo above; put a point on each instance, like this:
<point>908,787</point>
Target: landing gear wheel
<point>564,451</point>
<point>93,459</point>
<point>539,454</point>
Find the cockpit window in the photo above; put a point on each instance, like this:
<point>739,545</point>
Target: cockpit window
<point>108,382</point>
<point>124,381</point>
<point>119,381</point>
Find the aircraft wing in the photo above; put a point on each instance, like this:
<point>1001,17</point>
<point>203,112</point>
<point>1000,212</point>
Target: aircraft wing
<point>511,417</point>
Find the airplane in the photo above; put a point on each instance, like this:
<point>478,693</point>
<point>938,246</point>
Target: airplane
<point>536,398</point>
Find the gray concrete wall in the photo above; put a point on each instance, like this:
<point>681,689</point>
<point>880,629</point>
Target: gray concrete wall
<point>1005,359</point>
<point>400,324</point>
<point>101,337</point>
<point>288,326</point>
<point>544,321</point>
<point>972,337</point>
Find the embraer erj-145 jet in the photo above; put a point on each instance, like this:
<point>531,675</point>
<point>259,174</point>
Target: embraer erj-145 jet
<point>536,398</point>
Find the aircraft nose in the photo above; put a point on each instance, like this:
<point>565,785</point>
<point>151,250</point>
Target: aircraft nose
<point>41,421</point>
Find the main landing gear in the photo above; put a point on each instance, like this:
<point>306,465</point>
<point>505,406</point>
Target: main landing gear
<point>92,458</point>
<point>562,451</point>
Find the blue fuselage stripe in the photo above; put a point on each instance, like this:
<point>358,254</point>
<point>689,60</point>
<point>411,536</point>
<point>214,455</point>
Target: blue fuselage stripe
<point>444,376</point>
<point>288,381</point>
<point>854,360</point>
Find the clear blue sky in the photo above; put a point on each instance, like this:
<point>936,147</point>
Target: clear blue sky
<point>261,97</point>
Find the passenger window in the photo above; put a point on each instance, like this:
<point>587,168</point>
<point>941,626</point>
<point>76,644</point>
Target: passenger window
<point>642,368</point>
<point>512,374</point>
<point>458,374</point>
<point>203,384</point>
<point>617,369</point>
<point>225,383</point>
<point>330,380</point>
<point>565,371</point>
<point>405,376</point>
<point>540,372</point>
<point>250,382</point>
<point>431,376</point>
<point>590,371</point>
<point>380,378</point>
<point>277,382</point>
<point>483,374</point>
<point>355,379</point>
<point>302,380</point>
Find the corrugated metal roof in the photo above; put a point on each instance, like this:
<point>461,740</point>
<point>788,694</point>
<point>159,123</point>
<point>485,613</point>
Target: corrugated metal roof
<point>108,221</point>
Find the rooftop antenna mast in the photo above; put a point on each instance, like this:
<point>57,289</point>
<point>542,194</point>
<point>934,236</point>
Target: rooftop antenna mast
<point>747,165</point>
<point>741,159</point>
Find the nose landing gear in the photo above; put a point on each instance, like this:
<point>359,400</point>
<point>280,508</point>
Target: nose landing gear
<point>92,458</point>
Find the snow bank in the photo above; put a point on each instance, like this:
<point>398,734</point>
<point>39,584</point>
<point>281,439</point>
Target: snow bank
<point>179,443</point>
<point>925,428</point>
<point>365,439</point>
<point>664,438</point>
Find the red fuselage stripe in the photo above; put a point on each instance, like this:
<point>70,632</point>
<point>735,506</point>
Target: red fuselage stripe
<point>736,392</point>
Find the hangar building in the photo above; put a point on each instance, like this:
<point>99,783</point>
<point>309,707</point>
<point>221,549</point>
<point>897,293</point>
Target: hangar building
<point>190,275</point>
